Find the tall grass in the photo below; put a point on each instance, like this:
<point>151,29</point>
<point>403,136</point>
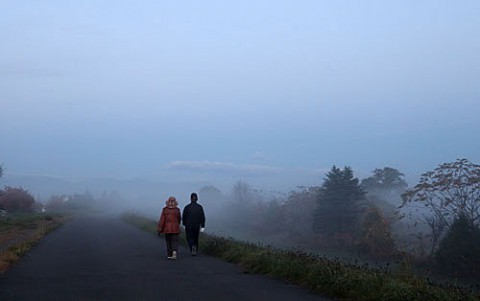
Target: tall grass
<point>326,276</point>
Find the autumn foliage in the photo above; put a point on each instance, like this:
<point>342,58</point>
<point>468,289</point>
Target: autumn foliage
<point>377,240</point>
<point>16,199</point>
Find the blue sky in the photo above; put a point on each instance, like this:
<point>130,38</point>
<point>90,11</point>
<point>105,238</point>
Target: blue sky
<point>270,92</point>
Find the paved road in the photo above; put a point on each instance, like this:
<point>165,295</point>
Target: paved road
<point>104,258</point>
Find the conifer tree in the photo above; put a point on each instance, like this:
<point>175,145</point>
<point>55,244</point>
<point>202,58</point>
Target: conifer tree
<point>340,204</point>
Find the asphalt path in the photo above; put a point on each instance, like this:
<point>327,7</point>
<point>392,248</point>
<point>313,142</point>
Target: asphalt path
<point>103,258</point>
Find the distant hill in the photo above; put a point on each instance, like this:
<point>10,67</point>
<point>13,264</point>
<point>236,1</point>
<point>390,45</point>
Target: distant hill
<point>42,187</point>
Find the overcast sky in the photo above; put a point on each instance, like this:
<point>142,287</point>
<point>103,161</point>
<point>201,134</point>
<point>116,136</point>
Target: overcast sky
<point>270,92</point>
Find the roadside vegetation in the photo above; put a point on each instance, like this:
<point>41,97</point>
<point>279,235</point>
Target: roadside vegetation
<point>434,225</point>
<point>21,231</point>
<point>330,277</point>
<point>370,239</point>
<point>23,223</point>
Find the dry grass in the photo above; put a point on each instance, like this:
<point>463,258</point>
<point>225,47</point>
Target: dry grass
<point>19,233</point>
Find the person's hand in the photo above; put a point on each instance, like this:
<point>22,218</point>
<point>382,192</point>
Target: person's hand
<point>202,229</point>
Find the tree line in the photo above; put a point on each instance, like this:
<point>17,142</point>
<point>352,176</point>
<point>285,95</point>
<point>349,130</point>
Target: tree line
<point>16,199</point>
<point>19,200</point>
<point>435,223</point>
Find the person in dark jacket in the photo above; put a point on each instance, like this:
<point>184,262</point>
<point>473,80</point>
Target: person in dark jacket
<point>194,222</point>
<point>169,224</point>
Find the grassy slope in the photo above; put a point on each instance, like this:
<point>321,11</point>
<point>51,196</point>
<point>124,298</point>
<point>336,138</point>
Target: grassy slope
<point>325,276</point>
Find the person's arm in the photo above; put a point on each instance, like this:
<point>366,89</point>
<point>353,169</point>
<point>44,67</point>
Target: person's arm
<point>185,215</point>
<point>202,218</point>
<point>161,222</point>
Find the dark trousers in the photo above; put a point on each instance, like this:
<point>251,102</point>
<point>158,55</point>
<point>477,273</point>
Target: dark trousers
<point>192,234</point>
<point>172,242</point>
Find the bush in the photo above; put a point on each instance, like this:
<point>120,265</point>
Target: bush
<point>458,252</point>
<point>16,200</point>
<point>377,240</point>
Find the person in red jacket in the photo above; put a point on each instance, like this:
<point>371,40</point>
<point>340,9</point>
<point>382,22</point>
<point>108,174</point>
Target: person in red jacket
<point>169,224</point>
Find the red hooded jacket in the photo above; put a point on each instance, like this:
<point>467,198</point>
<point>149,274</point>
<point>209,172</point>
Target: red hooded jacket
<point>169,219</point>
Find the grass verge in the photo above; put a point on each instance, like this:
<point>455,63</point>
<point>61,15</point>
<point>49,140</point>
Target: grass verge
<point>328,277</point>
<point>19,233</point>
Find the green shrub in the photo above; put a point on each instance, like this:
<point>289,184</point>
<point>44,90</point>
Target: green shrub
<point>458,253</point>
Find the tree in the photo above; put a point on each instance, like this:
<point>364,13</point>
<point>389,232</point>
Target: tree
<point>16,199</point>
<point>449,191</point>
<point>384,183</point>
<point>214,203</point>
<point>297,214</point>
<point>242,193</point>
<point>56,203</point>
<point>268,221</point>
<point>80,201</point>
<point>340,205</point>
<point>458,252</point>
<point>211,196</point>
<point>210,192</point>
<point>377,240</point>
<point>239,214</point>
<point>384,189</point>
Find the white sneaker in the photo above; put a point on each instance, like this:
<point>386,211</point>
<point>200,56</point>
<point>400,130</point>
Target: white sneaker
<point>194,250</point>
<point>174,255</point>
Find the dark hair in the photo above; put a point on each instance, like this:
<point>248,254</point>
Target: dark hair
<point>194,195</point>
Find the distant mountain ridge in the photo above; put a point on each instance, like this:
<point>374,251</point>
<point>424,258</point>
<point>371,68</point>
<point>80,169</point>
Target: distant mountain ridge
<point>43,187</point>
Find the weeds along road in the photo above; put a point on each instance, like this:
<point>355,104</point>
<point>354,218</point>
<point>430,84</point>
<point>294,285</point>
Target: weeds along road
<point>103,258</point>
